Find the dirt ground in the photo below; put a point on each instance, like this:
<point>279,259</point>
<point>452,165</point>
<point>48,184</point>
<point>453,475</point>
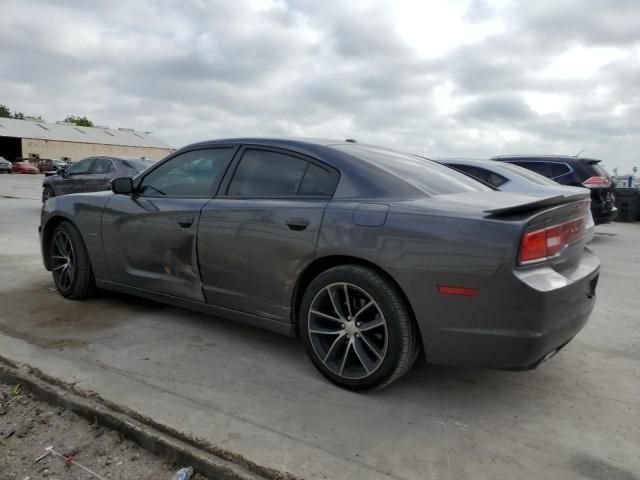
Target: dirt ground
<point>28,426</point>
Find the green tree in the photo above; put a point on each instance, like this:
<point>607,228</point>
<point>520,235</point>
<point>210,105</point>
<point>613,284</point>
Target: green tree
<point>78,120</point>
<point>5,112</point>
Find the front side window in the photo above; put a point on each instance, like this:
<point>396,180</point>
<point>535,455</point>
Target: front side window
<point>81,168</point>
<point>103,166</point>
<point>263,173</point>
<point>191,174</point>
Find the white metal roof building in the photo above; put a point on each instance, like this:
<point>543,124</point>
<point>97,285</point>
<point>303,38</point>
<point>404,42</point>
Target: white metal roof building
<point>34,139</point>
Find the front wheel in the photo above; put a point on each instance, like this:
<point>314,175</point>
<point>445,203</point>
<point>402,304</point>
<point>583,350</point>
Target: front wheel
<point>357,328</point>
<point>70,264</point>
<point>47,193</point>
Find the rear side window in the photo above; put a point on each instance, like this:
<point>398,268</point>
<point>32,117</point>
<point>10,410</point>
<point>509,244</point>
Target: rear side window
<point>318,181</point>
<point>558,169</point>
<point>541,168</point>
<point>102,166</point>
<point>137,165</point>
<point>528,174</point>
<point>483,174</point>
<point>425,175</point>
<point>263,173</point>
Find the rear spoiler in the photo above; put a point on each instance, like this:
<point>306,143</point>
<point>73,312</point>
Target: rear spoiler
<point>535,205</point>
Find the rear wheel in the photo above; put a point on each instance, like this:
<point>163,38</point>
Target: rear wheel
<point>356,328</point>
<point>70,264</point>
<point>47,193</point>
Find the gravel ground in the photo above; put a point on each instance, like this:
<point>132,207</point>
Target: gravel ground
<point>28,426</point>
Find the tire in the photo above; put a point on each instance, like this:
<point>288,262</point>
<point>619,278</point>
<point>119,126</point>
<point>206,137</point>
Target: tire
<point>357,348</point>
<point>70,263</point>
<point>47,193</point>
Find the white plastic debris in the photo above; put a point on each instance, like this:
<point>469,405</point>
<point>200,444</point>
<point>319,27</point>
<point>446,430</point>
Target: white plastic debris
<point>183,474</point>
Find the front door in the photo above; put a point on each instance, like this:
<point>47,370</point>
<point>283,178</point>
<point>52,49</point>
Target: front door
<point>256,238</point>
<point>150,237</point>
<point>100,175</point>
<point>73,178</point>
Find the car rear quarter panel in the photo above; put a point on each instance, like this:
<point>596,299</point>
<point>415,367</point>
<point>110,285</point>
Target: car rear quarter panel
<point>422,251</point>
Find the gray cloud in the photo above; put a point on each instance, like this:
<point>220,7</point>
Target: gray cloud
<point>190,70</point>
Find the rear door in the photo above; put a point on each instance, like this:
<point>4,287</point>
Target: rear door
<point>150,237</point>
<point>256,237</point>
<point>100,176</point>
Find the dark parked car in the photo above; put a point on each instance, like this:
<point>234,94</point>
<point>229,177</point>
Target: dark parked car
<point>574,171</point>
<point>49,167</point>
<point>5,165</point>
<point>367,254</point>
<point>90,175</point>
<point>508,177</point>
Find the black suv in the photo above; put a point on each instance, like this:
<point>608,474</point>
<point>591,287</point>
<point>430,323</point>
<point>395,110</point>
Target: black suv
<point>574,171</point>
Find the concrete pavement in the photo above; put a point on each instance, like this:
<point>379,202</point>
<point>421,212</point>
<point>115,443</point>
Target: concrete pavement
<point>255,394</point>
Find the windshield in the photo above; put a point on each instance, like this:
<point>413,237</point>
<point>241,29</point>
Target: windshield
<point>528,174</point>
<point>426,175</point>
<point>137,165</point>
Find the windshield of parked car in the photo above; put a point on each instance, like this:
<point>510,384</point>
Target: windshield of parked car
<point>426,175</point>
<point>137,165</point>
<point>528,174</point>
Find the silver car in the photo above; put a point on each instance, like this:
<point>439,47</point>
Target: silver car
<point>368,255</point>
<point>508,177</point>
<point>5,165</point>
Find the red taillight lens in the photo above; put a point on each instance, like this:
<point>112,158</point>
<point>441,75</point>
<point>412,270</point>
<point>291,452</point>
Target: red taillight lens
<point>548,242</point>
<point>595,182</point>
<point>534,246</point>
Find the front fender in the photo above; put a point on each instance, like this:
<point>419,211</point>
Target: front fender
<point>85,212</point>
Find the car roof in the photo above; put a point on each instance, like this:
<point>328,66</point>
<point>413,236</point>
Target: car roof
<point>551,158</point>
<point>362,176</point>
<point>118,157</point>
<point>278,141</point>
<point>467,161</point>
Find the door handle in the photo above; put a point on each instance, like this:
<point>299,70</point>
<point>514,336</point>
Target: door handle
<point>185,222</point>
<point>297,224</point>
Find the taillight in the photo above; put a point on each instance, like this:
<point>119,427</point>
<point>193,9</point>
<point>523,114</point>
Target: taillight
<point>597,182</point>
<point>551,241</point>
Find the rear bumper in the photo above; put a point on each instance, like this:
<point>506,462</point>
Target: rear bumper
<point>518,320</point>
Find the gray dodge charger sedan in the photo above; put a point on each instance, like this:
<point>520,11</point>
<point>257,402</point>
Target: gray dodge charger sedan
<point>369,255</point>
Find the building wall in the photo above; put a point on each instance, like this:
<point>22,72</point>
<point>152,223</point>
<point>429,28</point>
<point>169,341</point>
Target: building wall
<point>55,149</point>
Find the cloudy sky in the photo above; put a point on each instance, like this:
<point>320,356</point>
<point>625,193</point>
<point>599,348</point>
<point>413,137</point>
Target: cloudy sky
<point>441,78</point>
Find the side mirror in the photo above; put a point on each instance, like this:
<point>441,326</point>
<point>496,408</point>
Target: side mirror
<point>61,171</point>
<point>122,186</point>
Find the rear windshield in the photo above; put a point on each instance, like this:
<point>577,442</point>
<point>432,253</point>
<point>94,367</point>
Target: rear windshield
<point>426,175</point>
<point>528,174</point>
<point>599,169</point>
<point>137,165</point>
